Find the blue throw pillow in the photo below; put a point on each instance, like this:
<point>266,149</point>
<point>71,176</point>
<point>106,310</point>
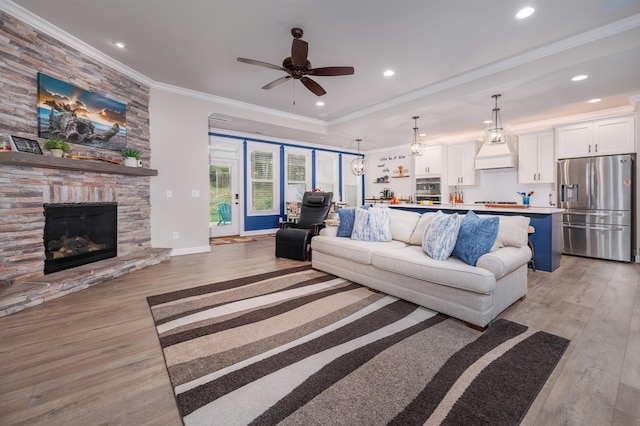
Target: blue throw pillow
<point>347,218</point>
<point>372,225</point>
<point>440,235</point>
<point>476,237</point>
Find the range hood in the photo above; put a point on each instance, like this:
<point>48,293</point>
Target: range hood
<point>497,155</point>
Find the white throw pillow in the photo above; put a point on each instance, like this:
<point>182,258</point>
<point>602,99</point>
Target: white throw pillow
<point>441,235</point>
<point>372,225</point>
<point>402,224</point>
<point>512,232</point>
<point>418,232</point>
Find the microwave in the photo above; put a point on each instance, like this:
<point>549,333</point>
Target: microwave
<point>428,190</point>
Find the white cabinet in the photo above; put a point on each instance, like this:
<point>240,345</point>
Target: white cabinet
<point>461,164</point>
<point>430,162</point>
<point>614,135</point>
<point>600,137</point>
<point>574,140</point>
<point>536,162</point>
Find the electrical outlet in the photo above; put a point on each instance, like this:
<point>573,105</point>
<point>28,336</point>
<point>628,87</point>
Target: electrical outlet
<point>169,193</point>
<point>195,193</point>
<point>176,235</point>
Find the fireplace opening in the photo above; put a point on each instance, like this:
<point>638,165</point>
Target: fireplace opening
<point>77,234</point>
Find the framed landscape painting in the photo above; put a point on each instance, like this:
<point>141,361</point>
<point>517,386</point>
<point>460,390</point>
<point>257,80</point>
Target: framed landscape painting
<point>80,116</point>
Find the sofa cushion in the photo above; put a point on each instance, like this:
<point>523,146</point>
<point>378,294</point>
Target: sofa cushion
<point>403,224</point>
<point>353,250</point>
<point>347,218</point>
<point>418,232</point>
<point>372,225</point>
<point>512,232</point>
<point>411,261</point>
<point>440,235</point>
<point>475,238</point>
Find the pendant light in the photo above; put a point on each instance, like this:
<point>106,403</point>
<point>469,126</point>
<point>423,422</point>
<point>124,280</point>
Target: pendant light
<point>416,147</point>
<point>358,165</point>
<point>496,132</point>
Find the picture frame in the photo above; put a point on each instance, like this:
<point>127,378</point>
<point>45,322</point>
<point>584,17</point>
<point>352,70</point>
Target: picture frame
<point>21,144</point>
<point>79,116</point>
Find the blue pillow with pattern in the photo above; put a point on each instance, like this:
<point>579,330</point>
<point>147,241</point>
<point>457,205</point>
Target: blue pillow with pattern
<point>476,237</point>
<point>440,236</point>
<point>347,218</point>
<point>372,225</point>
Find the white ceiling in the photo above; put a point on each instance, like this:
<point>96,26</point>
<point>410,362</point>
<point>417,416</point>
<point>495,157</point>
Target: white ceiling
<point>449,56</point>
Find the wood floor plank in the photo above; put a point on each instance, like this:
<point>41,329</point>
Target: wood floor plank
<point>93,357</point>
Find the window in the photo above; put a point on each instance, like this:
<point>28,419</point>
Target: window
<point>327,172</point>
<point>298,173</point>
<point>351,184</point>
<point>263,180</point>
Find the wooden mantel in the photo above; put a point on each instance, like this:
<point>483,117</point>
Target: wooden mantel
<point>25,159</point>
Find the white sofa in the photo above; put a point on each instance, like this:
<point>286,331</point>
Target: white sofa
<point>475,294</point>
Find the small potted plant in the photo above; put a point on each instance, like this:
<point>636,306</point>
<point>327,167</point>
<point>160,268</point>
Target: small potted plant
<point>57,147</point>
<point>131,157</point>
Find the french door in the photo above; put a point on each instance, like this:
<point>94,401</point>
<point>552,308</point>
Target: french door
<point>225,200</point>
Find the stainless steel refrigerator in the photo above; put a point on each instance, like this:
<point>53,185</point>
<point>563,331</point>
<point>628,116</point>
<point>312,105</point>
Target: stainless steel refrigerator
<point>597,193</point>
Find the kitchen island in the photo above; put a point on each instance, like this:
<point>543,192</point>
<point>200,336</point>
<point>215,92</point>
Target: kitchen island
<point>547,221</point>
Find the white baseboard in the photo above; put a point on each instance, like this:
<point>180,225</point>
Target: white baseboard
<point>190,250</point>
<point>259,232</point>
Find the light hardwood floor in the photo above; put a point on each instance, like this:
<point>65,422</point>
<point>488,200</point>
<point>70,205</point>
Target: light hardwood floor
<point>93,357</point>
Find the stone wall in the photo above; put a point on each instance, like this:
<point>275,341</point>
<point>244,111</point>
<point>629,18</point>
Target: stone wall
<point>24,51</point>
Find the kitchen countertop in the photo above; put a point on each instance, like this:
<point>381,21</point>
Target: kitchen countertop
<point>483,208</point>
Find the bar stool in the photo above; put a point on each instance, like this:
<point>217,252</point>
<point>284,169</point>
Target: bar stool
<point>532,261</point>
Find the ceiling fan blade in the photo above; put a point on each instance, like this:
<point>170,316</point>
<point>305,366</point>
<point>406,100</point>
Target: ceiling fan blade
<point>299,52</point>
<point>329,71</point>
<point>262,64</point>
<point>313,86</point>
<point>276,83</point>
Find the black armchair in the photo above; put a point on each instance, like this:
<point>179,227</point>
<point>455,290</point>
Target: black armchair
<point>292,239</point>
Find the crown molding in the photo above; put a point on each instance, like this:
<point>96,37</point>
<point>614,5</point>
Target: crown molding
<point>569,119</point>
<point>605,31</point>
<point>236,104</point>
<point>46,27</point>
<point>600,33</point>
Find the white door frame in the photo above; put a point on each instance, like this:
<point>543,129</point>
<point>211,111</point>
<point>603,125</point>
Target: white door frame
<point>236,201</point>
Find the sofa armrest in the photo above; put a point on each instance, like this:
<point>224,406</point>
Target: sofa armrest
<point>329,231</point>
<point>505,260</point>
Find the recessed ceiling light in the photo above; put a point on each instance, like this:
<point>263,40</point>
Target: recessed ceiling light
<point>422,135</point>
<point>594,101</point>
<point>319,103</point>
<point>525,12</point>
<point>389,73</point>
<point>119,44</point>
<point>580,77</point>
<point>488,121</point>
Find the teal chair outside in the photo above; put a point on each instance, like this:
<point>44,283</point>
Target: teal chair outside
<point>224,211</point>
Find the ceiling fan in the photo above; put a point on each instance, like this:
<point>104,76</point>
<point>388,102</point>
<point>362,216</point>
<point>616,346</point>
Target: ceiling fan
<point>298,67</point>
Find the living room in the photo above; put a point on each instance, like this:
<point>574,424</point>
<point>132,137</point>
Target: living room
<point>171,126</point>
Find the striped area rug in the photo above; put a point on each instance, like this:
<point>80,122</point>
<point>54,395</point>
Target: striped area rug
<point>301,347</point>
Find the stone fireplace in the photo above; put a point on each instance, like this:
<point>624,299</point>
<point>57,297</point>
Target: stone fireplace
<point>77,234</point>
<point>34,184</point>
